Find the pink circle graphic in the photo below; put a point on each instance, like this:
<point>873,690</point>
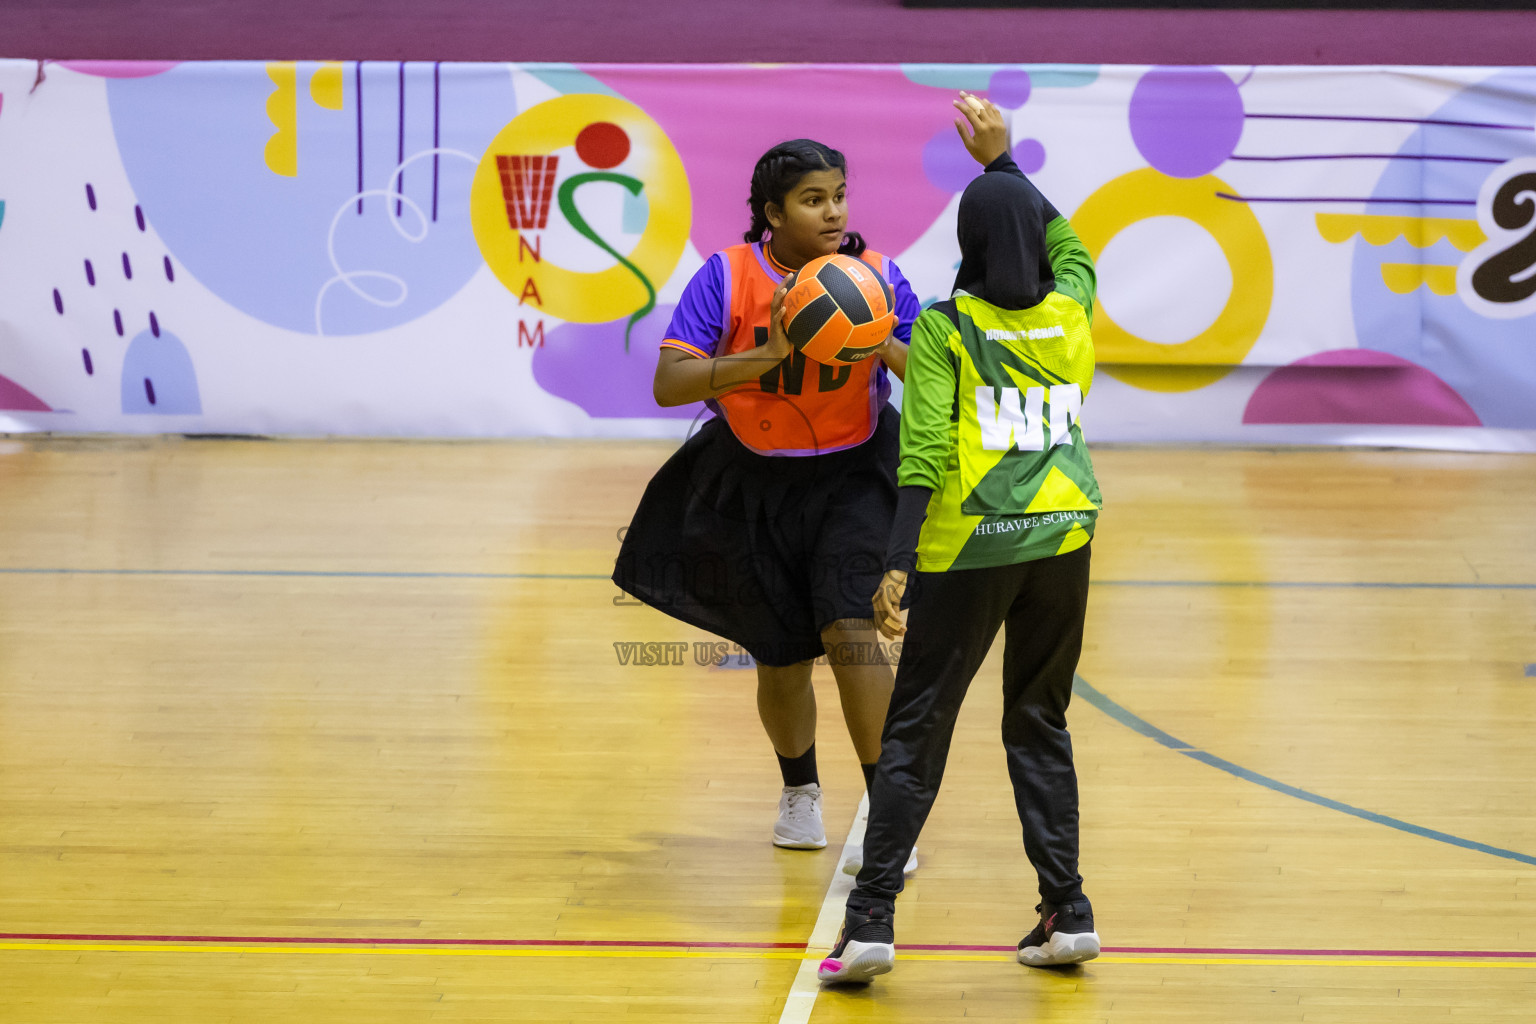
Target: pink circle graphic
<point>1358,385</point>
<point>119,68</point>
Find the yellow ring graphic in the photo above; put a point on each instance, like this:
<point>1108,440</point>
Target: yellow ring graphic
<point>1212,354</point>
<point>568,294</point>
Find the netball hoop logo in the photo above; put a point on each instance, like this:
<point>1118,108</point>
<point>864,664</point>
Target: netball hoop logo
<point>527,182</point>
<point>621,195</point>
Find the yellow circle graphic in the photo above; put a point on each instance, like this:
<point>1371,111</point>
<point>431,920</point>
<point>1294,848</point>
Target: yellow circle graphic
<point>513,199</point>
<point>1212,354</point>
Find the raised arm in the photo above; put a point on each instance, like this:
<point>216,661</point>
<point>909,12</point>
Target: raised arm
<point>985,135</point>
<point>1071,265</point>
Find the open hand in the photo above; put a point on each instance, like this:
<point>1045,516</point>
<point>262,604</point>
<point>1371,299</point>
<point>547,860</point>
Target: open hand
<point>887,604</point>
<point>982,128</point>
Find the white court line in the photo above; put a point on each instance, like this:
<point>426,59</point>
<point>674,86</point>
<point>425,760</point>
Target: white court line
<point>802,994</point>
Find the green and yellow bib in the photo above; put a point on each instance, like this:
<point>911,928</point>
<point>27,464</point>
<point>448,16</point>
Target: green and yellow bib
<point>990,422</point>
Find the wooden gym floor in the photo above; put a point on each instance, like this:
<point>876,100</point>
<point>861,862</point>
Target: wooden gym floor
<point>338,732</point>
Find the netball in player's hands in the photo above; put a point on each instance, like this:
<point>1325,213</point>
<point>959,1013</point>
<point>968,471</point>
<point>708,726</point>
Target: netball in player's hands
<point>769,526</point>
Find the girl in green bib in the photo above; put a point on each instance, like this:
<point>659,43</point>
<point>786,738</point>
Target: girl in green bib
<point>996,506</point>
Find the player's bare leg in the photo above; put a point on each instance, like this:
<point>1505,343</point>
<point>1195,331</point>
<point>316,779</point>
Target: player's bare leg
<point>786,703</point>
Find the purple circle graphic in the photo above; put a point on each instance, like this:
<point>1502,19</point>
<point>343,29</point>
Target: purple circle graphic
<point>1186,121</point>
<point>1009,88</point>
<point>1029,154</point>
<point>946,162</point>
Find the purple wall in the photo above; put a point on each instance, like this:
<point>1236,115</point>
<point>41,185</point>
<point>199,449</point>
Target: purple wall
<point>750,30</point>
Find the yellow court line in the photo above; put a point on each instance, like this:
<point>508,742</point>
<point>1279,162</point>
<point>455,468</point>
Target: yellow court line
<point>736,954</point>
<point>1208,961</point>
<point>1309,962</point>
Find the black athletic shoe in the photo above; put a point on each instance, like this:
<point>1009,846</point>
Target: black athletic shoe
<point>1064,935</point>
<point>866,948</point>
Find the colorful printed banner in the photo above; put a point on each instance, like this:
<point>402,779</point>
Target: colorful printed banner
<point>1308,255</point>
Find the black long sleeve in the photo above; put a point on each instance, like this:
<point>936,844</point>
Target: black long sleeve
<point>911,509</point>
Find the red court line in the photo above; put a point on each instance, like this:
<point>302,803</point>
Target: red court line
<point>290,940</point>
<point>1479,954</point>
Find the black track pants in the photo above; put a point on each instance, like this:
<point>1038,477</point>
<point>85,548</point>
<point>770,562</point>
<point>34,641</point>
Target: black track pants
<point>953,620</point>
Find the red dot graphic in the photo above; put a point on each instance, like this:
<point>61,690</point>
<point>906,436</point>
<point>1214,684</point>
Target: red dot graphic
<point>602,145</point>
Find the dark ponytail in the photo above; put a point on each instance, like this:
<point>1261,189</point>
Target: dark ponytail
<point>779,170</point>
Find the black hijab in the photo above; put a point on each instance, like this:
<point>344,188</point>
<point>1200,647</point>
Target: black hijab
<point>1003,258</point>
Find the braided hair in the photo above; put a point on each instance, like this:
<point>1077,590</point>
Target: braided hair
<point>779,170</point>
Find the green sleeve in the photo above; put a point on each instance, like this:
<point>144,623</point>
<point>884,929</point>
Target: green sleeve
<point>1071,264</point>
<point>927,400</point>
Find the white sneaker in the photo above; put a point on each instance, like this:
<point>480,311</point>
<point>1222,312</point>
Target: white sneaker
<point>855,862</point>
<point>799,824</point>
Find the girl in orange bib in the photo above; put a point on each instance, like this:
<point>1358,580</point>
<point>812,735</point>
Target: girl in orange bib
<point>768,526</point>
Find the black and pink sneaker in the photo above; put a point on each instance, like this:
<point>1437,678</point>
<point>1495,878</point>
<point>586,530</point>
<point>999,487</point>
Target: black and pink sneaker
<point>866,948</point>
<point>1064,935</point>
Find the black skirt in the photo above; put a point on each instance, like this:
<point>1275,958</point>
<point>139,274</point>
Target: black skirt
<point>764,551</point>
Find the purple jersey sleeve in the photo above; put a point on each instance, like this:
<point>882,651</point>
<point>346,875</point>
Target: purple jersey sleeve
<point>907,305</point>
<point>699,319</point>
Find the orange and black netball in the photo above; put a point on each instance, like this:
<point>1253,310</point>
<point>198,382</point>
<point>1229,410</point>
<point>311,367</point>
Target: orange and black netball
<point>838,310</point>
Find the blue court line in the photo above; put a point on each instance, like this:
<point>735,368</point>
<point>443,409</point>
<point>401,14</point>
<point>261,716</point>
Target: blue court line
<point>406,575</point>
<point>1316,584</point>
<point>1119,713</point>
<point>309,574</point>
